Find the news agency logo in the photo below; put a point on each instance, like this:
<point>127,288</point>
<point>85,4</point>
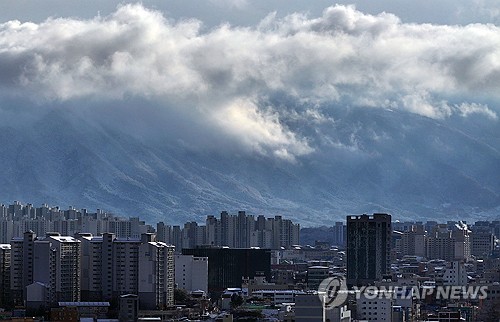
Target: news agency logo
<point>442,292</point>
<point>333,292</point>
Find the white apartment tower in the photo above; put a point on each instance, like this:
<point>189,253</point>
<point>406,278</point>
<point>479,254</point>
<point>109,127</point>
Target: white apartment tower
<point>461,239</point>
<point>191,273</point>
<point>4,274</point>
<point>57,266</point>
<point>156,274</point>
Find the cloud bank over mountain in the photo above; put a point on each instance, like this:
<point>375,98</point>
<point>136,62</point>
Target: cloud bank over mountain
<point>226,74</point>
<point>277,90</point>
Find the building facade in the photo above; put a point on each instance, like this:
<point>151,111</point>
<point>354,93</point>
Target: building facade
<point>227,267</point>
<point>368,248</point>
<point>191,273</point>
<point>5,251</point>
<point>113,267</point>
<point>47,265</point>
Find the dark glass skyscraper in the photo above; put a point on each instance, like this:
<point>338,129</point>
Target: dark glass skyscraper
<point>227,267</point>
<point>368,248</point>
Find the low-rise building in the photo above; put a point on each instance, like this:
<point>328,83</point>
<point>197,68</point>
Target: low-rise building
<point>191,273</point>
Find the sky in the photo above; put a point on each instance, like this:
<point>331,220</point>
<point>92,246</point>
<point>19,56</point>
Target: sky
<point>231,68</point>
<point>245,12</point>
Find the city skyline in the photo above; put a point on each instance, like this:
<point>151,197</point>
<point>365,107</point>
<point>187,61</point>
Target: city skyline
<point>270,160</point>
<point>27,210</point>
<point>101,263</point>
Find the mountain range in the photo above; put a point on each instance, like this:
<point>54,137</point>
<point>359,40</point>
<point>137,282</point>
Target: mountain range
<point>363,160</point>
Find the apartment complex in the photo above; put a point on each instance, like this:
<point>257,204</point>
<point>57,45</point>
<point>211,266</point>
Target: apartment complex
<point>54,268</point>
<point>16,219</point>
<point>113,266</point>
<point>449,243</point>
<point>234,231</point>
<point>237,231</point>
<point>51,264</point>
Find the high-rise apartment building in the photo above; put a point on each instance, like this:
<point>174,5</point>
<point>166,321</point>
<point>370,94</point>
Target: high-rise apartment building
<point>462,242</point>
<point>236,231</point>
<point>482,241</point>
<point>368,248</point>
<point>51,262</point>
<point>91,267</point>
<point>213,230</point>
<point>243,231</point>
<point>117,266</point>
<point>163,232</point>
<point>244,227</point>
<point>4,274</point>
<point>67,264</point>
<point>339,234</point>
<point>448,244</point>
<point>125,266</point>
<point>6,230</point>
<point>440,244</point>
<point>57,265</point>
<point>155,274</point>
<point>413,241</point>
<point>21,272</point>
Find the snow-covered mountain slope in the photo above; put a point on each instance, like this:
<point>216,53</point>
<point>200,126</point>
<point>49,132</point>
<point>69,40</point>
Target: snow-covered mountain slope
<point>363,160</point>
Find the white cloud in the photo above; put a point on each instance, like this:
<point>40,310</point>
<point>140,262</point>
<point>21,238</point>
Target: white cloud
<point>261,130</point>
<point>342,57</point>
<point>466,109</point>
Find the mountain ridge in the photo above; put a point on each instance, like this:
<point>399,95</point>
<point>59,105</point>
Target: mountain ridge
<point>367,160</point>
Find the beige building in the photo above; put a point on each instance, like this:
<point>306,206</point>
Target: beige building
<point>413,241</point>
<point>443,243</point>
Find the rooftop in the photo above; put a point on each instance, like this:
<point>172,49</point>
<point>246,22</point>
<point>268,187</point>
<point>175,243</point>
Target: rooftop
<point>83,303</point>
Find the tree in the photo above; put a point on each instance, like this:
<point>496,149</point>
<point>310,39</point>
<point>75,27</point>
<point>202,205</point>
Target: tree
<point>236,300</point>
<point>181,296</point>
